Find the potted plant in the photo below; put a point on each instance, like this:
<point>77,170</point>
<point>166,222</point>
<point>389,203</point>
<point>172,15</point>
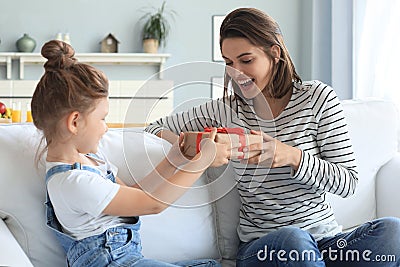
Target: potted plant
<point>156,28</point>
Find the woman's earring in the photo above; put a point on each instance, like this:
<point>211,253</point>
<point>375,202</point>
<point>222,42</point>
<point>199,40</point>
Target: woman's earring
<point>276,60</point>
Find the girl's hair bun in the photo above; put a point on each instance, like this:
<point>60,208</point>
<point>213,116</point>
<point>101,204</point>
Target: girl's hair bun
<point>60,55</point>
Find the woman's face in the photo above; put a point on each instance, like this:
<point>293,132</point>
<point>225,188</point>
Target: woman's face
<point>247,65</point>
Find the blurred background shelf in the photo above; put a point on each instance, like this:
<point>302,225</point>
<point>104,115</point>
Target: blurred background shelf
<point>90,58</point>
<point>132,102</point>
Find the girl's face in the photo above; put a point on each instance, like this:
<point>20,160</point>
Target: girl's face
<point>94,127</point>
<point>247,65</point>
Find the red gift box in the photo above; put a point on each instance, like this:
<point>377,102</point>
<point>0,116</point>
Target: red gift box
<point>192,140</point>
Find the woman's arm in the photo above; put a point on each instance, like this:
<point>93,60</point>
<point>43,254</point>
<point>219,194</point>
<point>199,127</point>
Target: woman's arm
<point>334,168</point>
<point>210,114</point>
<point>328,163</point>
<point>273,153</point>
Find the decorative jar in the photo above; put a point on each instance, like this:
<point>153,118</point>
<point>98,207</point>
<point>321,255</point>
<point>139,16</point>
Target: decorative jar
<point>26,44</point>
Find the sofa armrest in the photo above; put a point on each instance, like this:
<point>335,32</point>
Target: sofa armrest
<point>11,254</point>
<point>387,188</point>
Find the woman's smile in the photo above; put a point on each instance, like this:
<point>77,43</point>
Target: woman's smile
<point>247,86</point>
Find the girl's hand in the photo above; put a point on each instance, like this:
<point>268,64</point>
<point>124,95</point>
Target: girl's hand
<point>175,155</point>
<point>273,154</point>
<point>217,154</point>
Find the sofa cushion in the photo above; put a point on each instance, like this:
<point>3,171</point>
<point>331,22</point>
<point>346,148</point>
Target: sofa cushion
<point>22,195</point>
<point>10,247</point>
<point>387,188</point>
<point>164,236</point>
<point>227,205</point>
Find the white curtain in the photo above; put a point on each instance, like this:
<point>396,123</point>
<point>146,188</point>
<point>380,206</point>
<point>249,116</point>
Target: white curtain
<point>377,49</point>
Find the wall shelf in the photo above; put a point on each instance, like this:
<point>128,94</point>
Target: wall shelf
<point>130,101</point>
<point>90,58</point>
<point>6,58</point>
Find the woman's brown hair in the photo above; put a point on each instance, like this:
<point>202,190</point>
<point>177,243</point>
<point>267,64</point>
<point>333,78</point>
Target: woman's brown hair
<point>263,31</point>
<point>66,86</point>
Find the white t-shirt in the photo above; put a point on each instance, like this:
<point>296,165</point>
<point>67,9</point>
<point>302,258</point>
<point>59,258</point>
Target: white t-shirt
<point>79,198</point>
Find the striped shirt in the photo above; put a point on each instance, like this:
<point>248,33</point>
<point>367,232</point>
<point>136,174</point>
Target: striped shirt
<point>271,198</point>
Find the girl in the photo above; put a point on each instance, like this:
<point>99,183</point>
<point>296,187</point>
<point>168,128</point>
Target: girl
<point>306,152</point>
<point>96,216</point>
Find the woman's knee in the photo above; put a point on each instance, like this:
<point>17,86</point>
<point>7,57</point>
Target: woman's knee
<point>389,227</point>
<point>293,238</point>
<point>278,247</point>
<point>392,223</point>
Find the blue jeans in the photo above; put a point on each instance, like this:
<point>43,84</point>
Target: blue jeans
<point>375,243</point>
<point>119,246</point>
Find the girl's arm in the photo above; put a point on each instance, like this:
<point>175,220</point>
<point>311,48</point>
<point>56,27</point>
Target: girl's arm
<point>119,181</point>
<point>159,191</point>
<point>168,135</point>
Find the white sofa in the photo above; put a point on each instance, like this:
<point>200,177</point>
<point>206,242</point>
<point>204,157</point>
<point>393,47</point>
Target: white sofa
<point>196,227</point>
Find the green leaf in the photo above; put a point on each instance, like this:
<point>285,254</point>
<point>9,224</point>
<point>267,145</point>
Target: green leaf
<point>156,25</point>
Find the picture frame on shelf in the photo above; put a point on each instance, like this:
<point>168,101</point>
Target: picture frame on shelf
<point>216,24</point>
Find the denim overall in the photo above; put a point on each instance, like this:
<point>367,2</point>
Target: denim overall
<point>100,250</point>
<point>117,246</point>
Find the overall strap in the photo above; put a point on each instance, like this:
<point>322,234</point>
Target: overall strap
<point>68,167</point>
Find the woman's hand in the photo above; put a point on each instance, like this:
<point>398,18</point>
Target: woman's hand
<point>273,154</point>
<point>212,153</point>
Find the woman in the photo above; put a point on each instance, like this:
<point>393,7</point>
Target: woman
<point>306,153</point>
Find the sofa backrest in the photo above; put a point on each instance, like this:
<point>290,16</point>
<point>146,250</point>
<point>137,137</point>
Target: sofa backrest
<point>373,128</point>
<point>22,189</point>
<point>164,236</point>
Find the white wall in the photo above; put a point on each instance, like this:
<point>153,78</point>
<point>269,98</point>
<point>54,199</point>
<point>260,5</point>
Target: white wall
<point>88,21</point>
